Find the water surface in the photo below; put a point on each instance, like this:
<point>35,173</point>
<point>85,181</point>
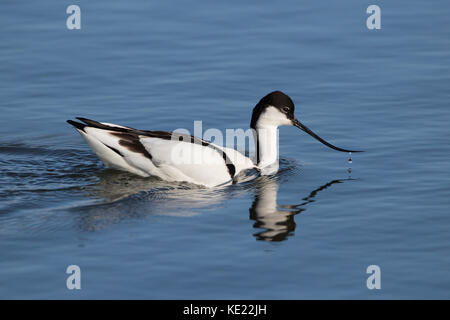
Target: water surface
<point>308,232</point>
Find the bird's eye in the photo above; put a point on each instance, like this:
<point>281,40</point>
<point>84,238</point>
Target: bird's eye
<point>285,109</point>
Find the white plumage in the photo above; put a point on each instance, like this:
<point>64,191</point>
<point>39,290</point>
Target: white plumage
<point>172,160</point>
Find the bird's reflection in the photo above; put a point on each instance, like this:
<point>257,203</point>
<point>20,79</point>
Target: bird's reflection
<point>277,221</point>
<point>126,197</point>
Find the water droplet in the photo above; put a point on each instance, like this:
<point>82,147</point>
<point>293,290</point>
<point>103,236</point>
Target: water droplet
<point>349,170</point>
<point>350,157</point>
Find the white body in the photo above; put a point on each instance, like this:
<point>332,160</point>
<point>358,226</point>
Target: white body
<point>152,153</point>
<point>171,160</point>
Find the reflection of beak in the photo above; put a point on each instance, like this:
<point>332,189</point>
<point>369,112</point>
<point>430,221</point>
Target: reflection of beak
<point>298,124</point>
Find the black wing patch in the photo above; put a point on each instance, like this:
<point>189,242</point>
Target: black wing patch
<point>114,149</point>
<point>132,143</point>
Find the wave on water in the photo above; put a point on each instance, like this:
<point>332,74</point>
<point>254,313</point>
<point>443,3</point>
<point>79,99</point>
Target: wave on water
<point>74,180</point>
<point>43,189</point>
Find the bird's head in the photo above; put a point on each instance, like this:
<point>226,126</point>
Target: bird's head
<point>277,109</point>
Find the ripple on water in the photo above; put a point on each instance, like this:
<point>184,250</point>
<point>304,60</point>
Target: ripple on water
<point>75,181</point>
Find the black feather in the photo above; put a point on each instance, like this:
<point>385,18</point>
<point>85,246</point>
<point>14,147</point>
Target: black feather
<point>78,125</point>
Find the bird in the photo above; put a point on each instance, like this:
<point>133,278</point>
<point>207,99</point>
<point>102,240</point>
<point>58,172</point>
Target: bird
<point>178,157</point>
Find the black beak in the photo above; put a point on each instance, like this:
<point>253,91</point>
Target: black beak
<point>298,124</point>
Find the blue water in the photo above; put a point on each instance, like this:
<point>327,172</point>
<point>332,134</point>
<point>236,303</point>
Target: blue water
<point>308,232</point>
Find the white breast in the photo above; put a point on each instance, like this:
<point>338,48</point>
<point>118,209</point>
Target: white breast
<point>185,161</point>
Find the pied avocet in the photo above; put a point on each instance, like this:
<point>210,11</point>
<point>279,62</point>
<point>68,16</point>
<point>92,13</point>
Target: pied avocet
<point>173,156</point>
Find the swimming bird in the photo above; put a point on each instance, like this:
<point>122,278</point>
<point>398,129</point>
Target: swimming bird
<point>174,156</point>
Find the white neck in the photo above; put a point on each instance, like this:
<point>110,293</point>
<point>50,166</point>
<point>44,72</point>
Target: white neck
<point>266,142</point>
